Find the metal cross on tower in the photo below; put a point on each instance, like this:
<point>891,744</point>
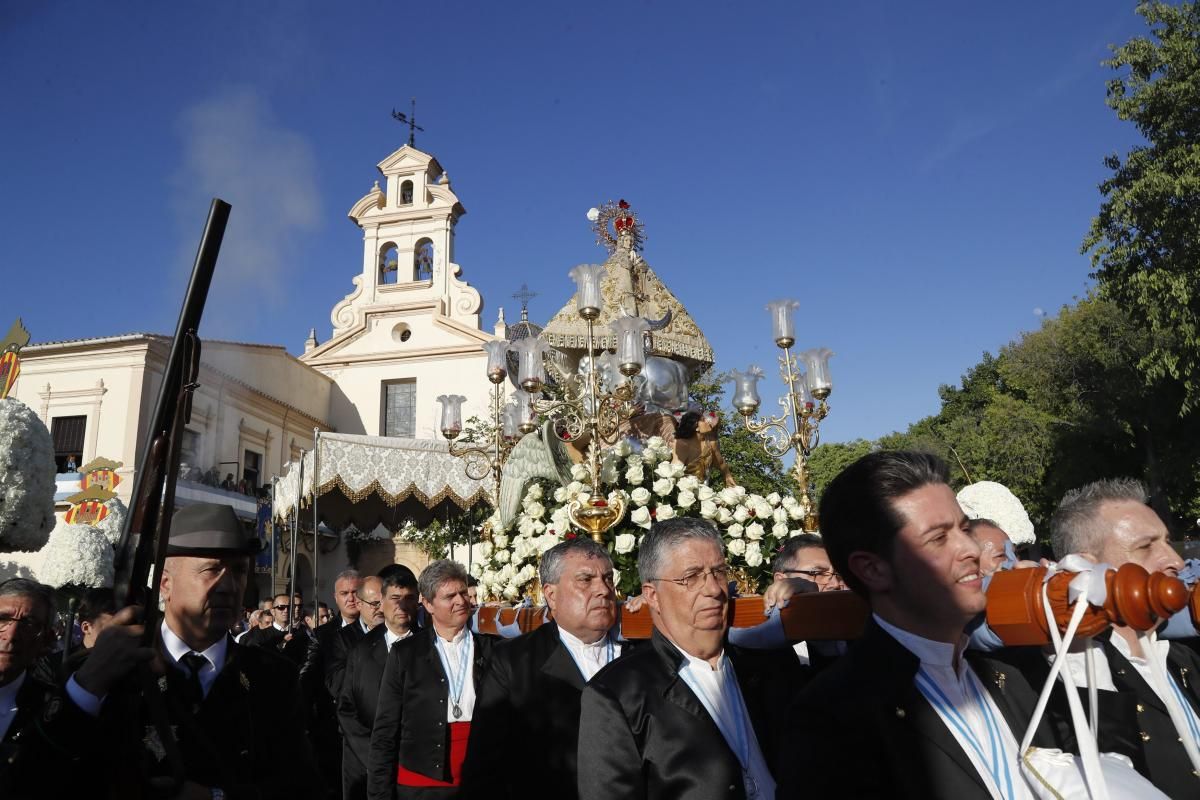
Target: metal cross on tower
<point>524,295</point>
<point>411,121</point>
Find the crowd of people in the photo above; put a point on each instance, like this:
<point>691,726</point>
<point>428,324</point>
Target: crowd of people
<point>394,693</point>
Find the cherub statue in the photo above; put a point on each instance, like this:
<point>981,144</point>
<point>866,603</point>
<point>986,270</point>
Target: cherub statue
<point>696,446</point>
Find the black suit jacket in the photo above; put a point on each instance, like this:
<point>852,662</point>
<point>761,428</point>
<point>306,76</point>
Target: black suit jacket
<point>27,770</point>
<point>1162,758</point>
<point>531,694</point>
<point>410,720</point>
<point>325,660</point>
<point>862,728</point>
<point>246,737</point>
<point>356,708</point>
<point>644,734</point>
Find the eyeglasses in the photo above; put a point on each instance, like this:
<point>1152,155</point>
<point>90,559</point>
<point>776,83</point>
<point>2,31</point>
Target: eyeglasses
<point>819,574</point>
<point>282,608</point>
<point>374,606</point>
<point>694,580</point>
<point>25,625</point>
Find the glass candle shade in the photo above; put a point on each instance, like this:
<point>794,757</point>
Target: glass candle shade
<point>783,324</point>
<point>800,390</point>
<point>631,344</point>
<point>509,422</point>
<point>523,403</point>
<point>531,372</point>
<point>587,279</point>
<point>451,414</point>
<point>816,365</point>
<point>497,362</point>
<point>745,389</point>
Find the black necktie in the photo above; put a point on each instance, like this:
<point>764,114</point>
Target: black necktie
<point>192,664</point>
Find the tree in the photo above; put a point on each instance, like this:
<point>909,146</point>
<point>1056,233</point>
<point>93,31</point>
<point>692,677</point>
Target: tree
<point>1145,242</point>
<point>827,460</point>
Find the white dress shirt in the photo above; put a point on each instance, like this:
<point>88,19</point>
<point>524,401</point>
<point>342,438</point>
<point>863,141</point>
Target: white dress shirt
<point>967,710</point>
<point>590,658</point>
<point>390,638</point>
<point>8,703</point>
<point>452,654</point>
<point>718,691</point>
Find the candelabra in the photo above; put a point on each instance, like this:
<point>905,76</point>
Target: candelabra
<point>583,409</point>
<point>798,426</point>
<point>484,452</point>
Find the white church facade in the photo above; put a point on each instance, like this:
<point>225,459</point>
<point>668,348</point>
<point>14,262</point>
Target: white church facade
<point>407,332</point>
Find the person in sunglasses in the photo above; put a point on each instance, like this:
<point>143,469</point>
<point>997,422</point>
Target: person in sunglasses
<point>690,716</point>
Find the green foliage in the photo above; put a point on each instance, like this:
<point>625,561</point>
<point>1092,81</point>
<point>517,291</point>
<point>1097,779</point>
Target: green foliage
<point>827,460</point>
<point>1145,242</point>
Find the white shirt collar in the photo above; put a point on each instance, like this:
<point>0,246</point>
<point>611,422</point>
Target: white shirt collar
<point>1162,645</point>
<point>176,648</point>
<point>346,622</point>
<point>937,654</point>
<point>458,637</point>
<point>278,627</point>
<point>570,640</point>
<point>390,638</point>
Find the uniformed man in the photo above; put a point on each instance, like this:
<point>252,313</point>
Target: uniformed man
<point>234,710</point>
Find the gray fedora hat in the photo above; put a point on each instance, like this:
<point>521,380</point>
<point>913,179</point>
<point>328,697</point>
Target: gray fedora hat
<point>209,529</point>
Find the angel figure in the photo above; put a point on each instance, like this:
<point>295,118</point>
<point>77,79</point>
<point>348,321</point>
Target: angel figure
<point>696,446</point>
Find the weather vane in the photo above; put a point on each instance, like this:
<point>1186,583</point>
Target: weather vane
<point>411,121</point>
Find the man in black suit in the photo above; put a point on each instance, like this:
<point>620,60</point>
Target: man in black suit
<point>532,690</point>
<point>1110,521</point>
<point>26,608</point>
<point>364,670</point>
<point>427,695</point>
<point>874,724</point>
<point>235,710</point>
<point>689,716</point>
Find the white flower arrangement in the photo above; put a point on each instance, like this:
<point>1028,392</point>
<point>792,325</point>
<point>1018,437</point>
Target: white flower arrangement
<point>27,483</point>
<point>111,525</point>
<point>654,489</point>
<point>77,555</point>
<point>994,501</point>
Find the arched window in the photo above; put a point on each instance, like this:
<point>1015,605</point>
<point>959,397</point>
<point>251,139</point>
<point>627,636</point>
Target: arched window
<point>389,264</point>
<point>406,193</point>
<point>423,261</point>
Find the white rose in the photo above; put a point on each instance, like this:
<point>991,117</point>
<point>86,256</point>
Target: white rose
<point>728,496</point>
<point>609,474</point>
<point>677,470</point>
<point>512,591</point>
<point>526,574</point>
<point>685,499</point>
<point>485,549</point>
<point>735,530</point>
<point>500,541</point>
<point>664,511</point>
<point>525,526</point>
<point>741,514</point>
<point>624,543</point>
<point>640,517</point>
<point>536,510</point>
<point>501,556</point>
<point>663,487</point>
<point>634,460</point>
<point>789,501</point>
<point>655,443</point>
<point>773,498</point>
<point>724,516</point>
<point>796,532</point>
<point>689,482</point>
<point>504,574</point>
<point>705,492</point>
<point>579,472</point>
<point>736,547</point>
<point>640,495</point>
<point>535,492</point>
<point>754,556</point>
<point>545,542</point>
<point>708,509</point>
<point>796,512</point>
<point>663,470</point>
<point>635,475</point>
<point>560,494</point>
<point>573,489</point>
<point>779,530</point>
<point>762,509</point>
<point>622,448</point>
<point>754,531</point>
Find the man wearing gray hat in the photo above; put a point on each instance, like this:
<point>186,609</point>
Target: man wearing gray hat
<point>235,710</point>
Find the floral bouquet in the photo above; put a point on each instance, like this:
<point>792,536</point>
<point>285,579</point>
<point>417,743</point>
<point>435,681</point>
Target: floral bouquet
<point>653,488</point>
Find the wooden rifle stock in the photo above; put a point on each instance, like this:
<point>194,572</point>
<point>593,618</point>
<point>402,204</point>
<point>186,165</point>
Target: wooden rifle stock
<point>142,548</point>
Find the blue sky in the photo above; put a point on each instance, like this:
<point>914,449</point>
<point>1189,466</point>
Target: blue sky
<point>918,175</point>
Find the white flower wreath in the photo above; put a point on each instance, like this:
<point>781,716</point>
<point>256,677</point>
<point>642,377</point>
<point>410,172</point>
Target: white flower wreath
<point>27,482</point>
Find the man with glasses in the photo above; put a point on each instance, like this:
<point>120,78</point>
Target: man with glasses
<point>689,716</point>
<point>803,564</point>
<point>364,669</point>
<point>25,634</point>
